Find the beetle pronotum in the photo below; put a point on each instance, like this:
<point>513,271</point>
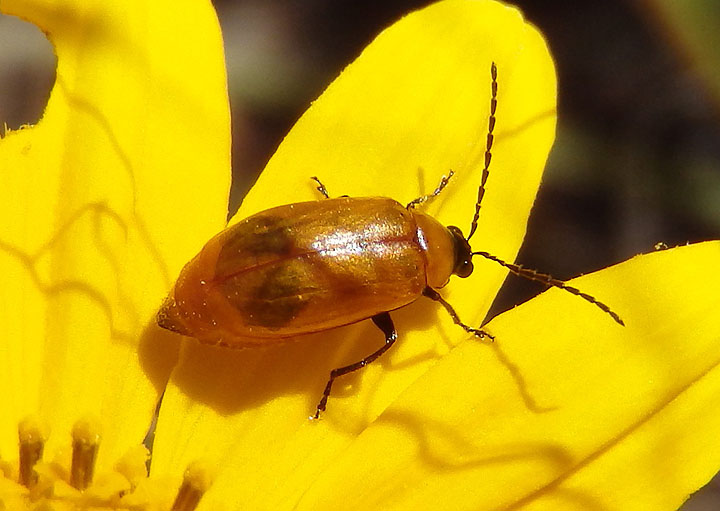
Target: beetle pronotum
<point>312,266</point>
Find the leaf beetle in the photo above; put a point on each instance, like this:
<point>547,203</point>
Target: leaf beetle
<point>311,266</point>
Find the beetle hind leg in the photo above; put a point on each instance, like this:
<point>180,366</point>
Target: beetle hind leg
<point>477,332</point>
<point>384,323</point>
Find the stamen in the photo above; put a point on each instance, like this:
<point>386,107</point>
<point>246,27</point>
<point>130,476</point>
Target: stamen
<point>86,442</point>
<point>196,482</point>
<point>32,437</point>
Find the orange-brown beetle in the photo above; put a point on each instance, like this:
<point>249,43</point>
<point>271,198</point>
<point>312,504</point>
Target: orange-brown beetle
<point>313,266</point>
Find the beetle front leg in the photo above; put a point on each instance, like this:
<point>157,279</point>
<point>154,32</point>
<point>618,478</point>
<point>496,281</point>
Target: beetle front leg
<point>384,323</point>
<point>443,183</point>
<point>434,295</point>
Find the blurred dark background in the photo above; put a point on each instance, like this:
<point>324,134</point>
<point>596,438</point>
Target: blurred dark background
<point>637,157</point>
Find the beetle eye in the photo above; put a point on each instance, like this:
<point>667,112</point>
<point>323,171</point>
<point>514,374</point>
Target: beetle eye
<point>463,253</point>
<point>464,268</point>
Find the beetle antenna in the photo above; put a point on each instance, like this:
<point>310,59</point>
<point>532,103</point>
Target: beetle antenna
<point>488,148</point>
<point>549,280</point>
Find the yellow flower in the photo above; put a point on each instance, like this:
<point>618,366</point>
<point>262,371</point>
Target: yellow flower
<point>127,175</point>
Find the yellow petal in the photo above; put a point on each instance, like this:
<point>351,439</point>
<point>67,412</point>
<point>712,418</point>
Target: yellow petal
<point>567,410</point>
<point>121,181</point>
<point>412,107</point>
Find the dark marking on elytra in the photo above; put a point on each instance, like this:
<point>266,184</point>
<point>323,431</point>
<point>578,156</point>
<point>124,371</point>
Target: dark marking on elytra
<point>271,235</point>
<point>265,235</point>
<point>276,300</point>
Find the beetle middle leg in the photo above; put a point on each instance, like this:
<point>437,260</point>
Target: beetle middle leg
<point>321,187</point>
<point>440,187</point>
<point>434,295</point>
<point>384,323</point>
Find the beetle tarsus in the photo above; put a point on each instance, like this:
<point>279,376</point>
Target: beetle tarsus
<point>477,332</point>
<point>384,323</point>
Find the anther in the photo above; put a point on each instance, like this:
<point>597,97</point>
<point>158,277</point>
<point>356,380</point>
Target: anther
<point>31,442</point>
<point>196,481</point>
<point>85,445</point>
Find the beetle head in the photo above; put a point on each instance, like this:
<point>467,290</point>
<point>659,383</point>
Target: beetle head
<point>463,253</point>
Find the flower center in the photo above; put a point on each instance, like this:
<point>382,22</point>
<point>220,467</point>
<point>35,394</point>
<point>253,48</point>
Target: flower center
<point>51,481</point>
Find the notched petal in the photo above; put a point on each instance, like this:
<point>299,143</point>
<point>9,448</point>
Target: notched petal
<point>125,176</point>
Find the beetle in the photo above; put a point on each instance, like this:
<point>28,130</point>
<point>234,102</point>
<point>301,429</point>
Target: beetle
<point>312,266</point>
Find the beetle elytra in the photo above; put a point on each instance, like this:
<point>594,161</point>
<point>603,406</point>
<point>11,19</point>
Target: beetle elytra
<point>312,266</point>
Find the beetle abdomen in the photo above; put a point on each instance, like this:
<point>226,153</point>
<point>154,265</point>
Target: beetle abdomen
<point>301,268</point>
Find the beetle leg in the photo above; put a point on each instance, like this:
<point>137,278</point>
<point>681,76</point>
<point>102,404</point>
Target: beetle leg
<point>434,295</point>
<point>321,187</point>
<point>443,183</point>
<point>384,323</point>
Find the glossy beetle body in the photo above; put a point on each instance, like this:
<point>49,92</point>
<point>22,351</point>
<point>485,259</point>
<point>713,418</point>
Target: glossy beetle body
<point>308,267</point>
<point>313,266</point>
